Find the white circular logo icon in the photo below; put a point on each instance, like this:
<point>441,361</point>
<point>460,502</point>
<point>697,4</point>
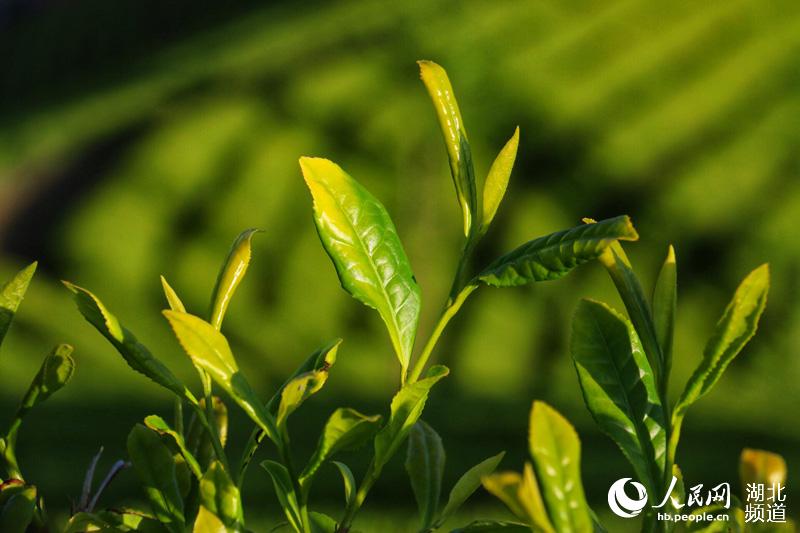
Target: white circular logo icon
<point>621,504</point>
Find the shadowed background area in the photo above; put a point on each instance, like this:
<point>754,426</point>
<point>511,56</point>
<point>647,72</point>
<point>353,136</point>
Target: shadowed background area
<point>138,138</point>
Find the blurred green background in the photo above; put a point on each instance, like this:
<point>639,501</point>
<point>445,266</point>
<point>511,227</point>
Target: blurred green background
<point>138,138</point>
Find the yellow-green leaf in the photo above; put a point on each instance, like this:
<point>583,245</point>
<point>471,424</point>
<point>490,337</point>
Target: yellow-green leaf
<point>11,295</point>
<point>455,139</point>
<point>665,300</point>
<point>209,350</point>
<point>494,188</point>
<point>159,425</point>
<point>17,509</point>
<point>556,452</point>
<point>297,391</point>
<point>208,522</point>
<point>736,327</point>
<point>361,240</point>
<point>56,371</point>
<point>407,406</point>
<point>230,275</point>
<point>221,496</point>
<point>760,466</point>
<point>173,300</point>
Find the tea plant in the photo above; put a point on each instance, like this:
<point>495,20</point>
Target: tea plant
<point>623,365</point>
<point>21,505</point>
<point>189,480</point>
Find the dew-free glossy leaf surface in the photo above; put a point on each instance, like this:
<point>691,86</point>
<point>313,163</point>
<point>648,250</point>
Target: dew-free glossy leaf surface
<point>467,484</point>
<point>619,388</point>
<point>494,188</point>
<point>172,297</point>
<point>209,350</point>
<point>736,327</point>
<point>230,275</point>
<point>553,256</point>
<point>297,391</point>
<point>155,467</point>
<point>361,240</point>
<point>135,353</point>
<point>455,139</point>
<point>425,466</point>
<point>407,406</point>
<point>11,295</point>
<point>556,453</point>
<point>345,429</point>
<point>208,522</point>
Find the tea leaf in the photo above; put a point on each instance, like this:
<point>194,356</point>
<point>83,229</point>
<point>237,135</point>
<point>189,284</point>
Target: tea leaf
<point>531,496</point>
<point>209,350</point>
<point>18,509</point>
<point>618,387</point>
<point>455,139</point>
<point>297,391</point>
<point>759,466</point>
<point>520,493</point>
<point>12,294</point>
<point>736,327</point>
<point>208,522</point>
<point>362,242</point>
<point>321,523</point>
<point>665,299</point>
<point>494,188</point>
<point>135,353</point>
<point>407,406</point>
<point>155,466</point>
<point>466,485</point>
<point>556,451</point>
<point>554,255</point>
<point>173,300</point>
<point>230,275</point>
<point>349,482</point>
<point>56,371</point>
<point>630,291</point>
<point>284,489</point>
<point>493,526</point>
<point>159,425</point>
<point>346,429</point>
<point>220,496</point>
<point>425,466</point>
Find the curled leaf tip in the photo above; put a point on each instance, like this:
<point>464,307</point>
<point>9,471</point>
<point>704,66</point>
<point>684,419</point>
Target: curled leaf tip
<point>670,254</point>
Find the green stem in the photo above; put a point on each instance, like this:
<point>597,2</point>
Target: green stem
<point>453,306</point>
<point>212,432</point>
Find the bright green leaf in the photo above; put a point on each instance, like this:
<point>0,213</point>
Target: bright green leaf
<point>321,523</point>
<point>619,388</point>
<point>159,425</point>
<point>220,495</point>
<point>11,295</point>
<point>556,453</point>
<point>425,466</point>
<point>362,242</point>
<point>467,484</point>
<point>455,138</point>
<point>135,353</point>
<point>521,494</point>
<point>553,256</point>
<point>230,275</point>
<point>665,300</point>
<point>407,406</point>
<point>155,467</point>
<point>736,327</point>
<point>210,351</point>
<point>346,429</point>
<point>494,188</point>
